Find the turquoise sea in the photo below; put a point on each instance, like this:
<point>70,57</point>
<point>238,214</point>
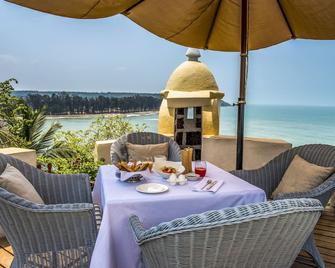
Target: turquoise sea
<point>297,125</point>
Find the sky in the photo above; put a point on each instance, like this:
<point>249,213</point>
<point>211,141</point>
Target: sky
<point>46,52</point>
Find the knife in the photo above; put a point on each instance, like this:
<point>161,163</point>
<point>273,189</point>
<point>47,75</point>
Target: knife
<point>208,182</point>
<point>211,185</point>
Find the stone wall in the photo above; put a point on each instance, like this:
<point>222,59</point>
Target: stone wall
<point>221,151</point>
<point>26,155</point>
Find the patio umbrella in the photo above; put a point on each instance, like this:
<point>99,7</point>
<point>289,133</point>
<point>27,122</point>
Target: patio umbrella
<point>223,25</point>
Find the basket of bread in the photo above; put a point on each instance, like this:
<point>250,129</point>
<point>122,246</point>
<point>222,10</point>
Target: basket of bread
<point>133,171</point>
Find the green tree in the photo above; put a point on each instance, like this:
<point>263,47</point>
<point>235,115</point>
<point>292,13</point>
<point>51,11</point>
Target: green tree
<point>110,127</point>
<point>82,143</point>
<point>21,125</point>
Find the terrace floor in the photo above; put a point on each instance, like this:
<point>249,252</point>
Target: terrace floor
<point>324,236</point>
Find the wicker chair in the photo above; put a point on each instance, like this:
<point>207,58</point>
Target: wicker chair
<point>62,232</point>
<point>269,234</point>
<point>119,150</point>
<point>269,177</point>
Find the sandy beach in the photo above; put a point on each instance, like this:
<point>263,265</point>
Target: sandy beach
<point>90,116</point>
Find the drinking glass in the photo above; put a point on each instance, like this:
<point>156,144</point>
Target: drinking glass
<point>200,168</point>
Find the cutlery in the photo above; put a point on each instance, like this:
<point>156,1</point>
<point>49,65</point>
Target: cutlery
<point>211,185</point>
<point>208,182</point>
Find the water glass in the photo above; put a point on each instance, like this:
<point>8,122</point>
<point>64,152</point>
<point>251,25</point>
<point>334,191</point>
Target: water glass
<point>200,168</point>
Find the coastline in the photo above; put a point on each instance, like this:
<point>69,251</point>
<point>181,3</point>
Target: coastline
<point>297,125</point>
<point>88,116</point>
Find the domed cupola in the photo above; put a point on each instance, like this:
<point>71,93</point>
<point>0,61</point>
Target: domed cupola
<point>192,75</point>
<point>191,104</point>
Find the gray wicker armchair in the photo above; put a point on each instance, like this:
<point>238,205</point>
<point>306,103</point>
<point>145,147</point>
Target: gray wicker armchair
<point>269,234</point>
<point>119,150</point>
<point>62,232</point>
<point>269,177</point>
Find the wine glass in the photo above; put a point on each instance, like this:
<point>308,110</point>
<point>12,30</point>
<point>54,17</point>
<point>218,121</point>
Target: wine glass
<point>200,168</point>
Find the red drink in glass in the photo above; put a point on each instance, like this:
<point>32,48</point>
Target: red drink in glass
<point>200,168</point>
<point>200,171</point>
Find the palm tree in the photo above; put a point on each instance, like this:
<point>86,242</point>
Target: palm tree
<point>23,126</point>
<point>40,138</point>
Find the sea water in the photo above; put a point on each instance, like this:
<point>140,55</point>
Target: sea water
<point>297,125</point>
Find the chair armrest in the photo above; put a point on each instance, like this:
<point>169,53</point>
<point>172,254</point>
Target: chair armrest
<point>255,177</point>
<point>50,227</point>
<point>247,175</point>
<point>54,188</point>
<point>267,178</point>
<point>137,227</point>
<point>62,189</point>
<point>322,192</point>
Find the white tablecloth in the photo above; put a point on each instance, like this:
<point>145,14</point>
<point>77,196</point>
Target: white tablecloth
<point>115,246</point>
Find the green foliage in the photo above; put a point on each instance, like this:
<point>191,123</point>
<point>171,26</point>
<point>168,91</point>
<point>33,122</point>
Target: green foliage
<point>65,103</point>
<point>110,127</point>
<point>7,139</point>
<point>23,126</point>
<point>10,108</point>
<point>43,140</point>
<point>68,151</point>
<point>81,144</point>
<point>81,160</point>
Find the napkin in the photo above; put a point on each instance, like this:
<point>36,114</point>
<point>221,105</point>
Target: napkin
<point>203,185</point>
<point>124,175</point>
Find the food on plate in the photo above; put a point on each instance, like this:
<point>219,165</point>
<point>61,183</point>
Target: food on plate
<point>134,166</point>
<point>167,169</point>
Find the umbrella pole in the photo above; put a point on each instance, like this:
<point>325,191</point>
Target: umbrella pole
<point>243,83</point>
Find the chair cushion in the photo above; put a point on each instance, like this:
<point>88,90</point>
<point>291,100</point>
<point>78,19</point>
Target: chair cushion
<point>302,176</point>
<point>15,182</point>
<point>146,152</point>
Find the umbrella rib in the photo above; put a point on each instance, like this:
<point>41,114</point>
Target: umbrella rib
<point>126,12</point>
<point>188,25</point>
<point>212,25</point>
<point>286,19</point>
<point>89,11</point>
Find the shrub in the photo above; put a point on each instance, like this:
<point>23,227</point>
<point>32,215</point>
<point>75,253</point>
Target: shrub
<point>81,144</point>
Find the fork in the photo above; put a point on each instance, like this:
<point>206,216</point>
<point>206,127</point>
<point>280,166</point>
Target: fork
<point>211,186</point>
<point>208,182</point>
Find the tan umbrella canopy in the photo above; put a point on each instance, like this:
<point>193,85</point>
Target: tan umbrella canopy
<point>224,25</point>
<point>209,24</point>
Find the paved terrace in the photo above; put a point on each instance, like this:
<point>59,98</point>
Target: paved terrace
<point>324,236</point>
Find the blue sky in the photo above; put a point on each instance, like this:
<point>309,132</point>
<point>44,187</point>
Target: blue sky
<point>46,52</point>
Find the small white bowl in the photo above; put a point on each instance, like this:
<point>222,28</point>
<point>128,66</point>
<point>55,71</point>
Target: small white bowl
<point>159,165</point>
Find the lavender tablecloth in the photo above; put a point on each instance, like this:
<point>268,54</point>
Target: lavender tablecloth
<point>115,246</point>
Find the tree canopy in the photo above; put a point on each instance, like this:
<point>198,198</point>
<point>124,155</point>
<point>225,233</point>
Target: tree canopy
<point>64,103</point>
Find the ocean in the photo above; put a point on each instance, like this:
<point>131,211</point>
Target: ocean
<point>296,124</point>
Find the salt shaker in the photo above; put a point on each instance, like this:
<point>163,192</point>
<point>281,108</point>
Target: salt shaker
<point>181,180</point>
<point>172,179</point>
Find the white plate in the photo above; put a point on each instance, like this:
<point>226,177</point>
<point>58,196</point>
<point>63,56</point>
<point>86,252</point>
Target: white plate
<point>152,188</point>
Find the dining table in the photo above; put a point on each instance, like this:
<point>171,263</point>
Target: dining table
<point>115,245</point>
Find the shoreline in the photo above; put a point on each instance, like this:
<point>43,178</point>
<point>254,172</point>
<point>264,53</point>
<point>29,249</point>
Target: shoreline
<point>87,116</point>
